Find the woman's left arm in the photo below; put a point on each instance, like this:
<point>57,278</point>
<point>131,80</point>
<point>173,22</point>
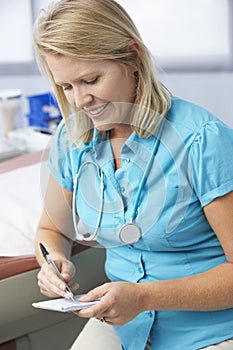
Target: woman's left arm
<point>219,213</point>
<point>210,290</point>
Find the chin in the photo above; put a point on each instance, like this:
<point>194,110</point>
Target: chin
<point>104,127</point>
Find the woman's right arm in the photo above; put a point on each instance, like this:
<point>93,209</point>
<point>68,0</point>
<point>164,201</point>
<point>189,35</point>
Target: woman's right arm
<point>55,231</point>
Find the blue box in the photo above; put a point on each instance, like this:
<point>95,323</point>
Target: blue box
<point>43,111</point>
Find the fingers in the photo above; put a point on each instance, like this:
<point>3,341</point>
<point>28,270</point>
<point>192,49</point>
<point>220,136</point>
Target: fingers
<point>51,285</point>
<point>103,314</point>
<point>117,306</point>
<point>92,312</point>
<point>102,308</point>
<point>96,293</point>
<point>67,270</point>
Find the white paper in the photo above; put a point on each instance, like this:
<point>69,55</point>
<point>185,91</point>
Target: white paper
<point>64,305</point>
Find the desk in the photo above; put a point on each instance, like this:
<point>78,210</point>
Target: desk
<point>23,141</point>
<point>8,151</point>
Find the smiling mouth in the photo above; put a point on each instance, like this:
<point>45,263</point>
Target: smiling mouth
<point>97,111</point>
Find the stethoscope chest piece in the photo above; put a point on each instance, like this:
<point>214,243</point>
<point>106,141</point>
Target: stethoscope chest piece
<point>130,233</point>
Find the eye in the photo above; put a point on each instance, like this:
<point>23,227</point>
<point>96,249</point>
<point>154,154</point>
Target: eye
<point>67,88</point>
<point>92,82</point>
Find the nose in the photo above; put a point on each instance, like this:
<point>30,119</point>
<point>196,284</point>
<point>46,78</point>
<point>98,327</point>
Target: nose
<point>82,98</point>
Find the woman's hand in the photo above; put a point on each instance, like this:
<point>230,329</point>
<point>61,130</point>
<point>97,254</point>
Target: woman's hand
<point>50,284</point>
<point>122,301</point>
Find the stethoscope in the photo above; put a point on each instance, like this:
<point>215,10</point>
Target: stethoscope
<point>130,232</point>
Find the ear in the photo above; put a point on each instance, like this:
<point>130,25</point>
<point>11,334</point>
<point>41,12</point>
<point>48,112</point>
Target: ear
<point>134,47</point>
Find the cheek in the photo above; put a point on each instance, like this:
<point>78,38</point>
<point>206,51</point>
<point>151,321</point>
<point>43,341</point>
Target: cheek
<point>127,87</point>
<point>128,92</point>
<point>119,90</point>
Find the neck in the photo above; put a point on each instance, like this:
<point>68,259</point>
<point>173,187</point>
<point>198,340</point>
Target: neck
<point>120,132</point>
<point>118,136</point>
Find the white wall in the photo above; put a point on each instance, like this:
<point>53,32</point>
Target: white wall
<point>214,91</point>
<point>29,84</point>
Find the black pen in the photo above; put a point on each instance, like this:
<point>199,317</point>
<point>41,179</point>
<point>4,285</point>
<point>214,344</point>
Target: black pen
<point>52,263</point>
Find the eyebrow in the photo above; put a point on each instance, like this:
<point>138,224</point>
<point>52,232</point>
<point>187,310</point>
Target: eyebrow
<point>82,77</point>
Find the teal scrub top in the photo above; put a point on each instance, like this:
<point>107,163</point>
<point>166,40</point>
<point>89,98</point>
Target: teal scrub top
<point>193,165</point>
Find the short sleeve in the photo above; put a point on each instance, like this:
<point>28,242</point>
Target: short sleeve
<point>212,161</point>
<point>59,159</point>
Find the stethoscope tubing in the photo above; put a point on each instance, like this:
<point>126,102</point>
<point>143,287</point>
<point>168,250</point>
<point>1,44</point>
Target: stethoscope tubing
<point>146,173</point>
<point>101,176</point>
<point>79,236</point>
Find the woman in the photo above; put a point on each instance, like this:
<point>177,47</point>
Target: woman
<point>151,179</point>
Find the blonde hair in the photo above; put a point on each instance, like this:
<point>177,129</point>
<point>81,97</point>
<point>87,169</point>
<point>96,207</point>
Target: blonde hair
<point>100,29</point>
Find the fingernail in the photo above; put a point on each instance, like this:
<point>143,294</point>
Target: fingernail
<point>62,287</point>
<point>67,296</point>
<point>76,286</point>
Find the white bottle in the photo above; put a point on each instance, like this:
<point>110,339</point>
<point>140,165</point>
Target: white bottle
<point>10,111</point>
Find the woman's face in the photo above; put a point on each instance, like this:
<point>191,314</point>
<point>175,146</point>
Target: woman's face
<point>95,87</point>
